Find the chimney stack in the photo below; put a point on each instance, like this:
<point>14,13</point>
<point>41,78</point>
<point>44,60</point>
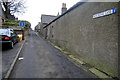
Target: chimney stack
<point>64,9</point>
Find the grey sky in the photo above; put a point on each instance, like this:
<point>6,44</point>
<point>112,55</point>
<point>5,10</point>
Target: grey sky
<point>50,7</point>
<point>37,7</point>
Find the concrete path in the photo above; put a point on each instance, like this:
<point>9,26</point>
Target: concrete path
<point>41,60</point>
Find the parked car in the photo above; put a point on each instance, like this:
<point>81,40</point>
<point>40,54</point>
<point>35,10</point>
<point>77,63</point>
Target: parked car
<point>8,37</point>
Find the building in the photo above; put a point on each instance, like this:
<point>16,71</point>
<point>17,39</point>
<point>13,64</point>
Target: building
<point>37,27</point>
<point>45,20</point>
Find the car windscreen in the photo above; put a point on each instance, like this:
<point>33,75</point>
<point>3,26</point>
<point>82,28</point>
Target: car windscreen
<point>4,32</point>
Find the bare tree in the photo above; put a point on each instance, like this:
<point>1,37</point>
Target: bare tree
<point>14,6</point>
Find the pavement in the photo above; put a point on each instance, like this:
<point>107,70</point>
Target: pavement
<point>39,59</point>
<point>8,56</point>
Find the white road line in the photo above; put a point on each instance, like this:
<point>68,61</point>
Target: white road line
<point>12,65</point>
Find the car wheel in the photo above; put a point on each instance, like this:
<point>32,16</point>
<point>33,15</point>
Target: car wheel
<point>11,45</point>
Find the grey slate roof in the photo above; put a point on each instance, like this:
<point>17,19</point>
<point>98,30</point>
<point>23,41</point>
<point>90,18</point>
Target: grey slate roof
<point>47,18</point>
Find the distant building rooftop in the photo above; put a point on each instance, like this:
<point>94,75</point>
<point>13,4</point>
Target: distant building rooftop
<point>69,10</point>
<point>47,18</point>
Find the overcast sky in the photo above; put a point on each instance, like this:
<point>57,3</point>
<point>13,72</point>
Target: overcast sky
<point>37,7</point>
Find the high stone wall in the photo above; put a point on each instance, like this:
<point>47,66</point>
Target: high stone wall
<point>95,41</point>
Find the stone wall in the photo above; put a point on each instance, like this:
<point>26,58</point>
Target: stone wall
<point>95,41</point>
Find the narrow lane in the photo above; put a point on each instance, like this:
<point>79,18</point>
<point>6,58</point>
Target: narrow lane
<point>41,60</point>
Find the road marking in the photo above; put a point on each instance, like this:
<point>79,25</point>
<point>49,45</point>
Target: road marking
<point>76,59</point>
<point>12,65</point>
<point>92,70</point>
<point>98,73</point>
<point>58,48</point>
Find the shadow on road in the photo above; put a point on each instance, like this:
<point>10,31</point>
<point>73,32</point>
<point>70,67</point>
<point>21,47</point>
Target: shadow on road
<point>5,49</point>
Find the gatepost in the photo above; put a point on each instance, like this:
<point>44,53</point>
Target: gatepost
<point>22,24</point>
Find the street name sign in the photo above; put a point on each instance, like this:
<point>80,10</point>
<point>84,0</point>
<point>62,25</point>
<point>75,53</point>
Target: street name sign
<point>108,12</point>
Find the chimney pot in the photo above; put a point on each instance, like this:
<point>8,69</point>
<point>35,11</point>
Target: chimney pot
<point>63,5</point>
<point>64,9</point>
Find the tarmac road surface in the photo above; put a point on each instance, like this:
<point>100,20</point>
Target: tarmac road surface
<point>41,60</point>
